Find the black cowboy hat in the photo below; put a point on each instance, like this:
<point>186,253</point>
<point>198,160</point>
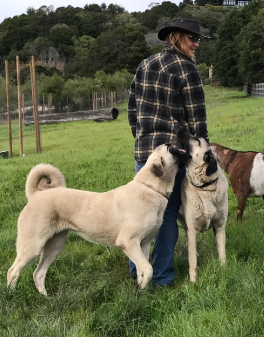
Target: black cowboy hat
<point>180,25</point>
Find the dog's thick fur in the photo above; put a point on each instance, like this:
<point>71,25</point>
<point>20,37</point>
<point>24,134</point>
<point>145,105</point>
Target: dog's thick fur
<point>204,200</point>
<point>128,216</point>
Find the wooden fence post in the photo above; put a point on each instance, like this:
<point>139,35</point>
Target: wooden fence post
<point>112,99</point>
<point>93,97</point>
<point>23,107</point>
<point>33,99</point>
<point>19,106</point>
<point>35,102</point>
<point>102,100</point>
<point>8,109</point>
<point>43,104</point>
<point>49,103</point>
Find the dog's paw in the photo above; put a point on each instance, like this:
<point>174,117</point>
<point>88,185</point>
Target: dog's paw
<point>12,285</point>
<point>193,276</point>
<point>223,262</point>
<point>144,277</point>
<point>141,282</point>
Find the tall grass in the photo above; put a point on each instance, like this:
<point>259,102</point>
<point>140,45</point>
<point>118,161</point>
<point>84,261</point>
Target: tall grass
<point>90,293</point>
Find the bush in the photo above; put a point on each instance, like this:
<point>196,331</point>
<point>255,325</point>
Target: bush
<point>204,71</point>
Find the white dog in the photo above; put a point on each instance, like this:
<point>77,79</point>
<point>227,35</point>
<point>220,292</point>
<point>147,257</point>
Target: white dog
<point>204,199</point>
<point>128,216</point>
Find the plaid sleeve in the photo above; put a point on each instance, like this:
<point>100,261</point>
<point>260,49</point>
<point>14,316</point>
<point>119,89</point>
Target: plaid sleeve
<point>194,105</point>
<point>132,109</point>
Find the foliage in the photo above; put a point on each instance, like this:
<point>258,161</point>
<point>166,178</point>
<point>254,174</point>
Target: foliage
<point>205,52</point>
<point>251,50</point>
<point>184,4</point>
<point>203,70</point>
<point>78,87</point>
<point>228,50</point>
<point>12,93</point>
<point>62,90</point>
<point>157,49</point>
<point>78,41</point>
<point>118,81</point>
<point>151,16</point>
<point>120,48</point>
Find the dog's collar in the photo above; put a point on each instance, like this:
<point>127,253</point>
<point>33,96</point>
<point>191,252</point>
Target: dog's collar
<point>230,160</point>
<point>206,184</point>
<point>154,189</point>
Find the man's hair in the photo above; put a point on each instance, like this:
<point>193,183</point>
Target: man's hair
<point>177,39</point>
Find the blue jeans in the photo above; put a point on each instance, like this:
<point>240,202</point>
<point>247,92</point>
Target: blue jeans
<point>166,238</point>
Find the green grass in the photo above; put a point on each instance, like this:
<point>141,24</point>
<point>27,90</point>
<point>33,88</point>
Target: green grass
<point>90,293</point>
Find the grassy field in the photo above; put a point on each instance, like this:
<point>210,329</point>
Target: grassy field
<point>90,293</point>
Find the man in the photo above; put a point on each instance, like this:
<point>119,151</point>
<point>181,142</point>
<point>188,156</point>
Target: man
<point>167,88</point>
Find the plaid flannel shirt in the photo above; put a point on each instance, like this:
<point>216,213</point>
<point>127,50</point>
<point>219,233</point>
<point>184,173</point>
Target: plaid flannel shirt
<point>166,88</point>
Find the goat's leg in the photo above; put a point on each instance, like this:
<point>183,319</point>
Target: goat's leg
<point>220,238</point>
<point>241,205</point>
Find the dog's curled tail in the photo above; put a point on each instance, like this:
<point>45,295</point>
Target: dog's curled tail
<point>43,177</point>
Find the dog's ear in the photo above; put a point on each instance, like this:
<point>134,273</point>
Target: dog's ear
<point>212,163</point>
<point>157,167</point>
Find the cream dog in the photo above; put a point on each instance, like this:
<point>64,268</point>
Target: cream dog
<point>204,199</point>
<point>127,217</point>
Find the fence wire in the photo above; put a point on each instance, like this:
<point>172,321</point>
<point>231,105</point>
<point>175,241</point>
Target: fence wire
<point>46,105</point>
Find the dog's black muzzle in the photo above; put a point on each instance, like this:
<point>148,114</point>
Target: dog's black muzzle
<point>180,144</point>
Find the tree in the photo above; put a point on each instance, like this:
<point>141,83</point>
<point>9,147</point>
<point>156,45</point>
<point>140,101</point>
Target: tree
<point>93,8</point>
<point>151,17</point>
<point>53,85</point>
<point>68,15</point>
<point>91,23</point>
<point>205,52</point>
<point>115,10</point>
<point>79,64</point>
<point>125,18</point>
<point>31,11</point>
<point>61,35</point>
<point>251,50</point>
<point>121,48</point>
<point>183,4</point>
<point>227,52</point>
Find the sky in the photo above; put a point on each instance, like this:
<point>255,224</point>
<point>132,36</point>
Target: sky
<point>10,8</point>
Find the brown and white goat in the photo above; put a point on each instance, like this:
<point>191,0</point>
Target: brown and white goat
<point>245,171</point>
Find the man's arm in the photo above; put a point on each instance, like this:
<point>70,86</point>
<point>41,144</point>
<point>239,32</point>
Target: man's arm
<point>132,109</point>
<point>194,105</point>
